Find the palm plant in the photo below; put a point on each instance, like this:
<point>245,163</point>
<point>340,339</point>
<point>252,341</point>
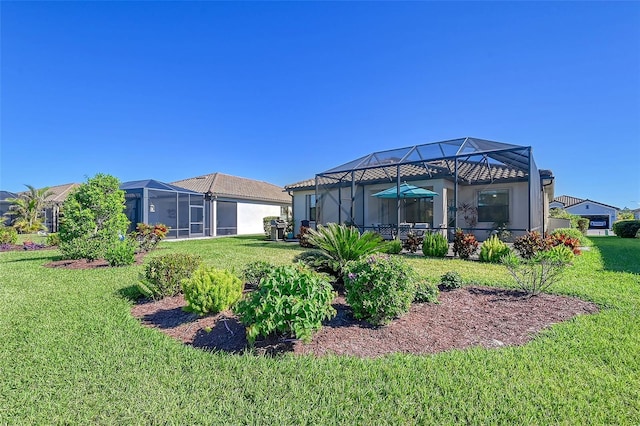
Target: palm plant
<point>339,244</point>
<point>27,209</point>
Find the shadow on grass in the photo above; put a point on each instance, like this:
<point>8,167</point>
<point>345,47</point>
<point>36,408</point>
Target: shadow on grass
<point>619,254</point>
<point>130,293</point>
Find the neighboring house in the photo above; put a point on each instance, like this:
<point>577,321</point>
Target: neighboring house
<point>601,216</point>
<point>237,205</point>
<point>59,194</point>
<point>480,184</point>
<point>636,214</point>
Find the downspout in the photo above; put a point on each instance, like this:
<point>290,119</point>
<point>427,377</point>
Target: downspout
<point>352,219</point>
<point>398,195</point>
<point>529,191</point>
<point>315,219</point>
<point>455,196</point>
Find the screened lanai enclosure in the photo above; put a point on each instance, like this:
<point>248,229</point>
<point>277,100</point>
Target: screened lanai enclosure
<point>152,202</point>
<point>479,186</point>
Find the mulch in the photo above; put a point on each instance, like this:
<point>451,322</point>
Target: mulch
<point>463,318</point>
<point>85,264</point>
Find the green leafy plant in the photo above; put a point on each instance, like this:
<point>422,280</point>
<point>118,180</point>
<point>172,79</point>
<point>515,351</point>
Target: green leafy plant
<point>211,290</point>
<point>253,272</point>
<point>379,288</point>
<point>341,244</point>
<point>8,235</point>
<point>53,240</point>
<point>435,245</point>
<point>541,271</point>
<point>163,274</point>
<point>529,244</point>
<point>412,242</point>
<point>391,247</point>
<point>122,253</point>
<point>93,218</point>
<point>583,225</point>
<point>492,250</point>
<point>626,228</point>
<point>450,280</point>
<point>563,214</point>
<point>426,292</point>
<point>291,300</point>
<point>464,245</point>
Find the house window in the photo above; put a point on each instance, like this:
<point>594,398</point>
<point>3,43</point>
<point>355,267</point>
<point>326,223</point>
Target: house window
<point>493,206</point>
<point>311,207</point>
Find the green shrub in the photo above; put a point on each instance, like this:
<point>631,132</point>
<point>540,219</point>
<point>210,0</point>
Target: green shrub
<point>464,245</point>
<point>450,281</point>
<point>211,290</point>
<point>341,244</point>
<point>529,244</point>
<point>291,300</point>
<point>253,272</point>
<point>426,291</point>
<point>435,245</point>
<point>573,233</point>
<point>93,218</point>
<point>90,248</point>
<point>316,260</point>
<point>583,225</point>
<point>163,274</point>
<point>626,228</point>
<point>8,235</point>
<point>493,249</point>
<point>379,288</point>
<point>391,247</point>
<point>122,253</point>
<point>53,240</point>
<point>266,225</point>
<point>541,271</point>
<point>638,233</point>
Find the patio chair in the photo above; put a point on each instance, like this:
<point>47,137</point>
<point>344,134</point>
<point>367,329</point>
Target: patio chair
<point>386,231</point>
<point>403,230</point>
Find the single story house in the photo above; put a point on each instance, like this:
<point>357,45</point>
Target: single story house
<point>237,205</point>
<point>480,185</point>
<point>636,214</point>
<point>601,216</point>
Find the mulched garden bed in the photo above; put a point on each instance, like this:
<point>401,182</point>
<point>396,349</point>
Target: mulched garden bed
<point>466,317</point>
<point>84,264</point>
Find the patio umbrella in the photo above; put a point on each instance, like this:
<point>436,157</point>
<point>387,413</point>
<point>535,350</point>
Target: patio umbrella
<point>406,191</point>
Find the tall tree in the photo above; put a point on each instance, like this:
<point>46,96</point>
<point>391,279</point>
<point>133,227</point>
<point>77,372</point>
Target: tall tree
<point>27,210</point>
<point>92,218</point>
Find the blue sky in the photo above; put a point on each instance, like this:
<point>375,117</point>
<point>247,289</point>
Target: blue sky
<point>279,91</point>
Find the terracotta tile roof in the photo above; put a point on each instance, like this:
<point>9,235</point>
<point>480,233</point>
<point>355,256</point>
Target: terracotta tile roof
<point>221,185</point>
<point>471,172</point>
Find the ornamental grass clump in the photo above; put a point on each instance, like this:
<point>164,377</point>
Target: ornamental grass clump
<point>211,290</point>
<point>379,288</point>
<point>340,244</point>
<point>538,273</point>
<point>292,300</point>
<point>493,249</point>
<point>435,245</point>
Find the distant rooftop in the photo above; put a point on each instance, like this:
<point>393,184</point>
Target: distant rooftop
<point>227,186</point>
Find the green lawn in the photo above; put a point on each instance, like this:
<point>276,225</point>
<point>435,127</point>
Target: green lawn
<point>71,353</point>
